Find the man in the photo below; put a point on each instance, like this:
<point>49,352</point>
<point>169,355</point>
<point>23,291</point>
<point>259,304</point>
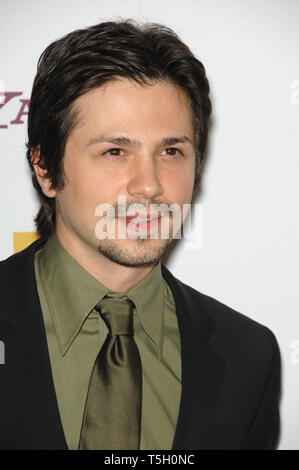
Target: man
<point>104,347</point>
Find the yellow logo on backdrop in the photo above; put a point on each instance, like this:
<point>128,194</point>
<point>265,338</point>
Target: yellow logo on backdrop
<point>23,239</point>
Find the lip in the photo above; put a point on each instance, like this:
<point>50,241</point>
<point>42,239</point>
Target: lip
<point>143,226</point>
<point>138,220</point>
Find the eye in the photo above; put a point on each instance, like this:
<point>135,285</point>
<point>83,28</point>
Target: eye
<point>115,152</point>
<point>172,152</point>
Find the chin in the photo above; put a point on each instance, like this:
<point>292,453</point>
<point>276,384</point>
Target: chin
<point>142,252</point>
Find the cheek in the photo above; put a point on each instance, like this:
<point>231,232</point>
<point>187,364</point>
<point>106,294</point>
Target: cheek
<point>179,185</point>
<point>87,187</point>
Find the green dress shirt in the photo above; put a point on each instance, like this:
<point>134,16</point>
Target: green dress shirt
<point>76,332</point>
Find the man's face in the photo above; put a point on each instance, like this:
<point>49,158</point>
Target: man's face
<point>124,146</point>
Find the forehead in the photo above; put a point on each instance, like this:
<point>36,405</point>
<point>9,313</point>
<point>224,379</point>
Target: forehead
<point>124,105</point>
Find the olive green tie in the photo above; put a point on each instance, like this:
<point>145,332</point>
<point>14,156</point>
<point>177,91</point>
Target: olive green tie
<point>112,415</point>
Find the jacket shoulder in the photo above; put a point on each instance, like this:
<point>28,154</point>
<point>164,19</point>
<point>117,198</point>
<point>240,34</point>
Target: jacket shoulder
<point>17,280</point>
<point>235,334</point>
<point>15,261</point>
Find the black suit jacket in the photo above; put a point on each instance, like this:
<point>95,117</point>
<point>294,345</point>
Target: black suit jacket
<point>230,370</point>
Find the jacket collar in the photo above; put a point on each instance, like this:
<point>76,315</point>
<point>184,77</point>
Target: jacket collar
<point>203,371</point>
<point>27,371</point>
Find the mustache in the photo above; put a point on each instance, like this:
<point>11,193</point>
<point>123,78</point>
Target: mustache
<point>153,209</point>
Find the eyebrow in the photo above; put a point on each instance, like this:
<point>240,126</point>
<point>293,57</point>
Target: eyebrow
<point>135,143</point>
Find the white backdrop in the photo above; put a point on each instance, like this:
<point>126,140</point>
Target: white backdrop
<point>250,48</point>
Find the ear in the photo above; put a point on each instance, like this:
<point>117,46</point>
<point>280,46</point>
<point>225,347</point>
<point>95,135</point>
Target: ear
<point>41,174</point>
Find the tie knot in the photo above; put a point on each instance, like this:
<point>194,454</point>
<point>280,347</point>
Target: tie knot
<point>117,314</point>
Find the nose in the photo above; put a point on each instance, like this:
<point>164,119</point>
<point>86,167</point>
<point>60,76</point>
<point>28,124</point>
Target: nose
<point>144,179</point>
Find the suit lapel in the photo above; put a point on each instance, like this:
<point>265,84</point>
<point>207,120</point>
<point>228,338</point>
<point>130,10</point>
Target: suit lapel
<point>203,372</point>
<point>27,375</point>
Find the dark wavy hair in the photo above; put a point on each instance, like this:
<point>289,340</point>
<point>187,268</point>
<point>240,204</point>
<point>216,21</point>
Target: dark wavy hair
<point>88,58</point>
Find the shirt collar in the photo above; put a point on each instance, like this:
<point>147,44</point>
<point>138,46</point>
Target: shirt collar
<point>72,294</point>
<point>148,296</point>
